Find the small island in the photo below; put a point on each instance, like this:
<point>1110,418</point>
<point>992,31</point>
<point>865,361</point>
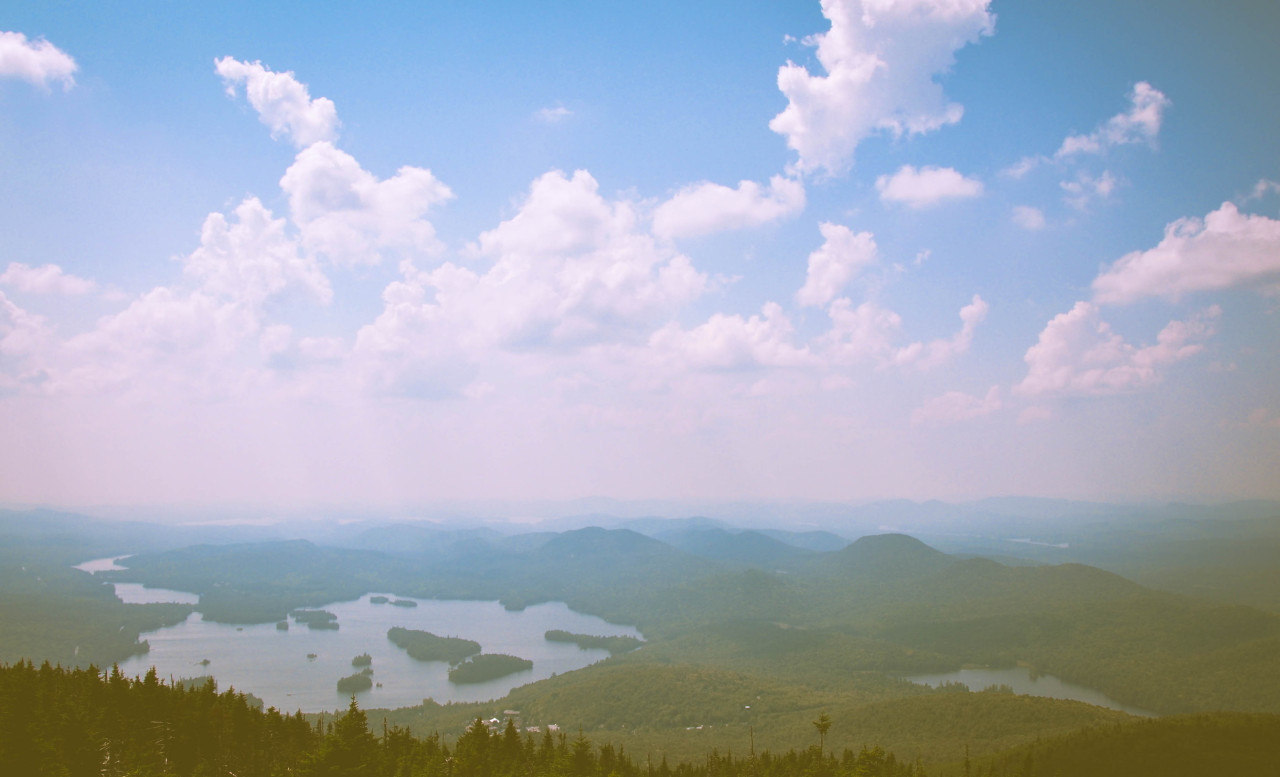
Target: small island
<point>378,600</point>
<point>615,644</point>
<point>364,659</point>
<point>282,626</point>
<point>487,666</point>
<point>403,603</point>
<point>320,620</point>
<point>355,683</point>
<point>425,646</point>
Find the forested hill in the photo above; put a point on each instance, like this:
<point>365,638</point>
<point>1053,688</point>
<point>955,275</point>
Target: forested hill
<point>57,721</point>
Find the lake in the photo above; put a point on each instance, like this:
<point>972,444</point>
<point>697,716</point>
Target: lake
<point>1021,681</point>
<point>273,664</point>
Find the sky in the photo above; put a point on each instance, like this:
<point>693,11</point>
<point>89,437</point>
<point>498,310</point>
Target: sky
<point>312,254</point>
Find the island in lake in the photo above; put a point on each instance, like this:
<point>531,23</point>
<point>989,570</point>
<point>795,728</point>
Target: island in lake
<point>425,646</point>
<point>320,620</point>
<point>615,645</point>
<point>488,666</point>
<point>360,681</point>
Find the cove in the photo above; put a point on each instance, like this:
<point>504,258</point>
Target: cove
<point>1020,680</point>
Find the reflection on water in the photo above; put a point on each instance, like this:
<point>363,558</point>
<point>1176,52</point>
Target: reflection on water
<point>137,593</point>
<point>276,664</point>
<point>1021,681</point>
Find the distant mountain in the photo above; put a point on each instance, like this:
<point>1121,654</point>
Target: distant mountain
<point>419,539</point>
<point>817,541</point>
<point>606,546</point>
<point>746,547</point>
<point>655,527</point>
<point>884,558</point>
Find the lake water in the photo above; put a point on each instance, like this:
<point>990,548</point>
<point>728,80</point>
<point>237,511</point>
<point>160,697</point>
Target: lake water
<point>273,664</point>
<point>1021,681</point>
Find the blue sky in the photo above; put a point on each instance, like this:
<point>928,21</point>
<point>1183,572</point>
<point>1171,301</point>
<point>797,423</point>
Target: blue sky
<point>318,255</point>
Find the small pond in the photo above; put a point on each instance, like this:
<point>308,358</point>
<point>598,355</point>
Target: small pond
<point>1020,680</point>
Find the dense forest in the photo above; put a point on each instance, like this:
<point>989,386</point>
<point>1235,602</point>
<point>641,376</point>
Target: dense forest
<point>74,722</point>
<point>746,639</point>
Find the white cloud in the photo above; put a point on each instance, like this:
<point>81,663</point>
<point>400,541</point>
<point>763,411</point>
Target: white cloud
<point>838,259</point>
<point>35,61</point>
<point>282,102</point>
<point>1085,188</point>
<point>727,342</point>
<point>347,215</point>
<point>252,259</point>
<point>199,340</point>
<point>1079,353</point>
<point>1262,188</point>
<point>45,279</point>
<point>881,59</point>
<point>1028,218</point>
<point>1140,124</point>
<point>554,115</point>
<point>164,337</point>
<point>926,187</point>
<point>956,406</point>
<point>867,333</point>
<point>862,333</point>
<point>24,341</point>
<point>926,356</point>
<point>569,270</point>
<point>1022,167</point>
<point>706,207</point>
<point>1224,250</point>
<point>21,333</point>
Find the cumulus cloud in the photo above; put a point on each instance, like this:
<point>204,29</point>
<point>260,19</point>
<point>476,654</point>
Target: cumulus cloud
<point>728,342</point>
<point>707,207</point>
<point>956,406</point>
<point>861,333</point>
<point>842,253</point>
<point>866,333</point>
<point>35,61</point>
<point>1225,249</point>
<point>569,269</point>
<point>45,279</point>
<point>282,102</point>
<point>926,187</point>
<point>1028,218</point>
<point>1079,353</point>
<point>1139,124</point>
<point>926,356</point>
<point>347,215</point>
<point>252,259</point>
<point>24,340</point>
<point>21,332</point>
<point>190,337</point>
<point>1085,188</point>
<point>881,59</point>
